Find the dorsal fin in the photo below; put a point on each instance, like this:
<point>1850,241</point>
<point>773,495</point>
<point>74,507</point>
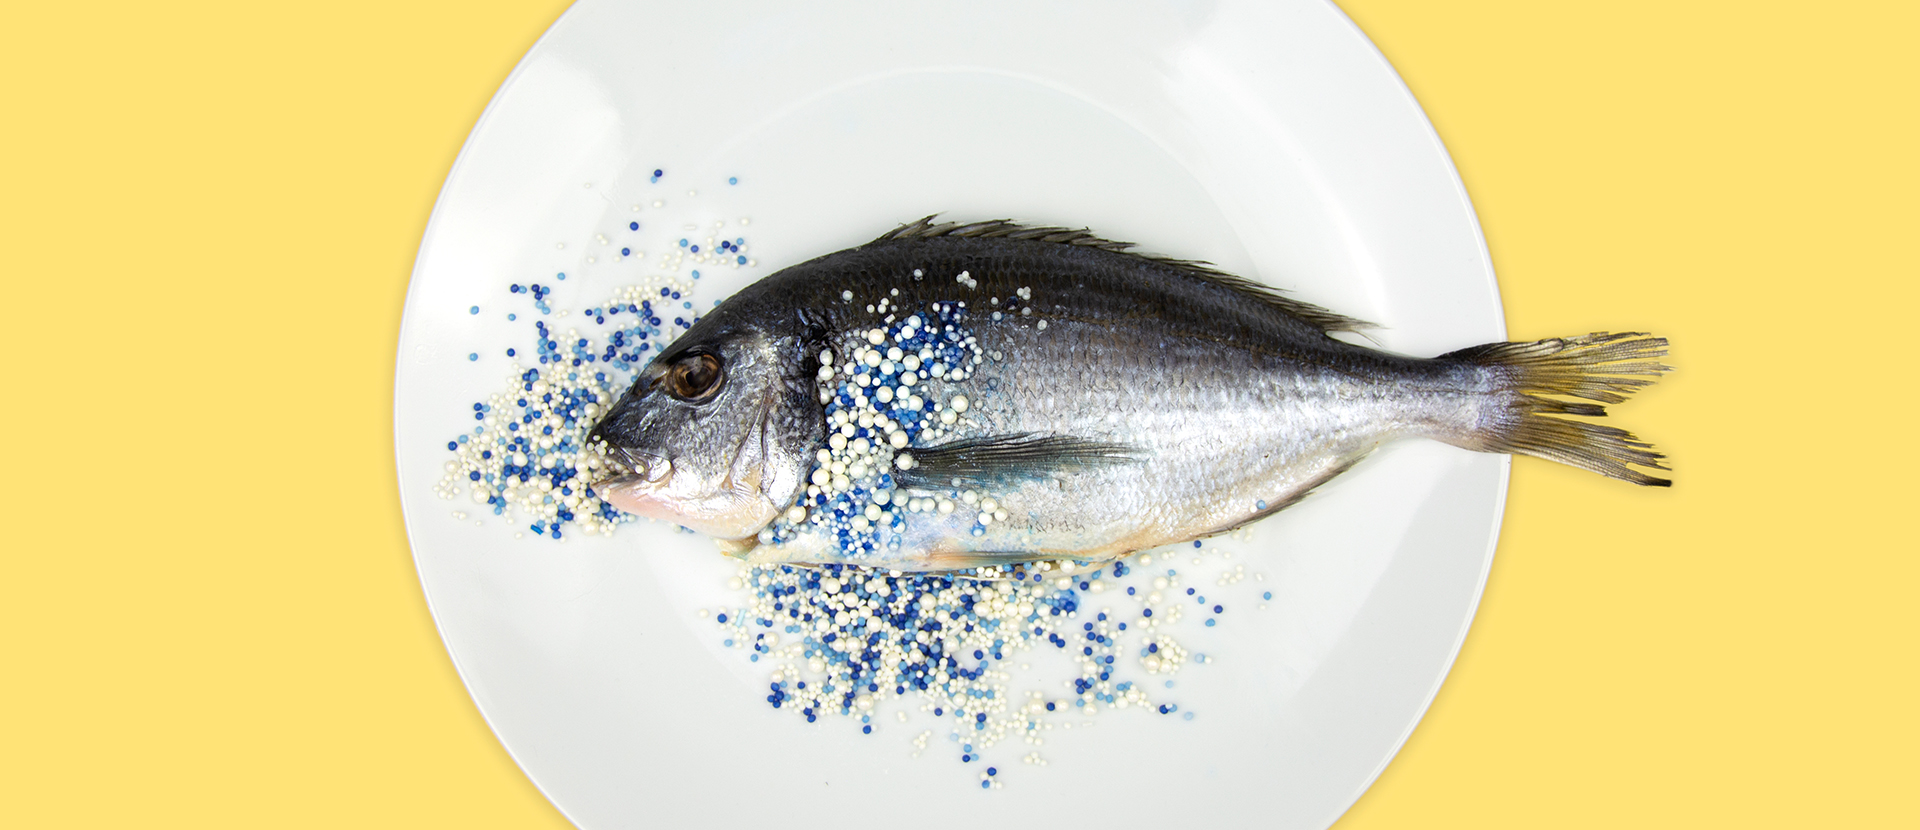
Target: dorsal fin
<point>1321,318</point>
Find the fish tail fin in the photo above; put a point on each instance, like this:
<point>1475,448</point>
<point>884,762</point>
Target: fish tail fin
<point>1604,367</point>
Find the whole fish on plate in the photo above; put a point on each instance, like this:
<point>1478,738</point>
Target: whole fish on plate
<point>958,395</point>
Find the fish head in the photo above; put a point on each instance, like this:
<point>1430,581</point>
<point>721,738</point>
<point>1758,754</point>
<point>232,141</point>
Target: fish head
<point>714,435</point>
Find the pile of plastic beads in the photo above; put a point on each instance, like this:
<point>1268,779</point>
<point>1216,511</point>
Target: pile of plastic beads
<point>875,413</point>
<point>844,640</point>
<point>527,458</point>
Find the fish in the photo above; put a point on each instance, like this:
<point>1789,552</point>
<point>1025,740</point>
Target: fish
<point>956,396</point>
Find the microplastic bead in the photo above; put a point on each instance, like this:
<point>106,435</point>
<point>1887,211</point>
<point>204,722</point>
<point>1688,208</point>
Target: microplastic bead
<point>474,310</point>
<point>733,180</point>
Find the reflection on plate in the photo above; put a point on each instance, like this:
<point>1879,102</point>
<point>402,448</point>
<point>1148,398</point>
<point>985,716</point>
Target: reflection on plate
<point>1268,138</point>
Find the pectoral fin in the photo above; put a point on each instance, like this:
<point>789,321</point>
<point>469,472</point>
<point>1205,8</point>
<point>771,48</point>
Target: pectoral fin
<point>996,459</point>
<point>962,560</point>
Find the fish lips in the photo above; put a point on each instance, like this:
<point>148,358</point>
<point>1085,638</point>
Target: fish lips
<point>634,494</point>
<point>724,513</point>
<point>634,491</point>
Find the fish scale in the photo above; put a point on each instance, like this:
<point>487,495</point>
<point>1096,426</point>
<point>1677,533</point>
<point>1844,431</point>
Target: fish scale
<point>1106,402</point>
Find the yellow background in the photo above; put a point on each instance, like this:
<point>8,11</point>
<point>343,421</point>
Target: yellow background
<point>209,214</point>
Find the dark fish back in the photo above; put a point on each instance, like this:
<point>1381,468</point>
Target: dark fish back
<point>1070,275</point>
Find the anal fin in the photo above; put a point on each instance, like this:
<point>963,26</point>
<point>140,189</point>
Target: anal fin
<point>1330,474</point>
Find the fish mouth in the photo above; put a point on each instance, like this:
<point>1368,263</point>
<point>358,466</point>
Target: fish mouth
<point>635,477</point>
<point>647,485</point>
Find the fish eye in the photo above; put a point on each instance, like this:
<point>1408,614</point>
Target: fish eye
<point>696,378</point>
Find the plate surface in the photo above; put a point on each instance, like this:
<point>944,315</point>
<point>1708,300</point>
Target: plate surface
<point>1267,137</point>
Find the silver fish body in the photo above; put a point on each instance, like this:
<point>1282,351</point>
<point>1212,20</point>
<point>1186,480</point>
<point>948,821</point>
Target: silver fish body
<point>952,396</point>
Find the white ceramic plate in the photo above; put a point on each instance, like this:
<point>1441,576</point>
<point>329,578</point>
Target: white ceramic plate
<point>1268,137</point>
